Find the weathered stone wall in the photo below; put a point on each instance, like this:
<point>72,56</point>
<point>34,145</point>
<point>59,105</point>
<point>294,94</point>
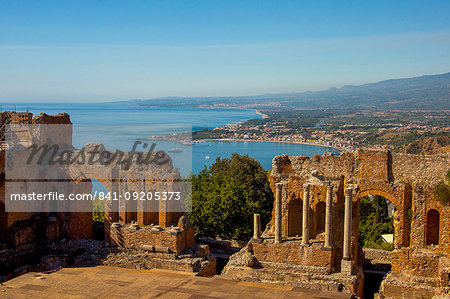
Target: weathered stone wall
<point>154,237</point>
<point>16,118</point>
<point>377,254</point>
<point>292,253</point>
<point>160,239</point>
<point>197,260</point>
<point>7,117</point>
<point>23,238</point>
<point>60,118</point>
<point>19,233</point>
<point>405,180</point>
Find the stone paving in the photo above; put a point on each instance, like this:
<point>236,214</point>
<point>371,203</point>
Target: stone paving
<point>114,282</point>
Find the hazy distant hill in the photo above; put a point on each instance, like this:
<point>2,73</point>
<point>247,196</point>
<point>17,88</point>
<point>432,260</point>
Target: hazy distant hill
<point>431,145</point>
<point>425,92</point>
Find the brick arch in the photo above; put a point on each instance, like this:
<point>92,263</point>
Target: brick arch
<point>433,229</point>
<point>293,195</point>
<point>85,173</point>
<point>106,183</point>
<point>88,174</point>
<point>401,234</point>
<point>320,217</point>
<point>295,216</point>
<point>392,198</point>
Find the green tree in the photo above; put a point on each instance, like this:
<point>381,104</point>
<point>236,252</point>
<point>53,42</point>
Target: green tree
<point>98,210</point>
<point>374,221</point>
<point>442,191</point>
<point>226,195</point>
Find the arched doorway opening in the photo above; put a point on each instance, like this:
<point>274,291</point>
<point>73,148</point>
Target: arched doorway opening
<point>376,237</point>
<point>131,206</point>
<point>433,221</point>
<point>295,217</point>
<point>376,222</point>
<point>320,217</point>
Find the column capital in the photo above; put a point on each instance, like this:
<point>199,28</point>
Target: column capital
<point>351,190</point>
<point>348,191</point>
<point>306,186</point>
<point>329,187</point>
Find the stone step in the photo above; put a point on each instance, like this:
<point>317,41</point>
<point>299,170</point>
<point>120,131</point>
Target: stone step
<point>396,287</point>
<point>279,276</point>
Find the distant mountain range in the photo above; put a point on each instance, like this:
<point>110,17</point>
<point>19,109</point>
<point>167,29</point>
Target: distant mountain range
<point>431,92</point>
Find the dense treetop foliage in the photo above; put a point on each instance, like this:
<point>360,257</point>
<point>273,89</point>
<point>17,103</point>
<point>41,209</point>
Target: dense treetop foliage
<point>98,210</point>
<point>374,221</point>
<point>226,195</point>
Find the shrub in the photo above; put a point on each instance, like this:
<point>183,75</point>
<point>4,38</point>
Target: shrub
<point>98,210</point>
<point>442,191</point>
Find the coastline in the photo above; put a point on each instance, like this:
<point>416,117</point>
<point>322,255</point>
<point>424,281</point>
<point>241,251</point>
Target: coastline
<point>261,114</point>
<point>339,149</point>
<point>241,122</point>
<point>274,141</point>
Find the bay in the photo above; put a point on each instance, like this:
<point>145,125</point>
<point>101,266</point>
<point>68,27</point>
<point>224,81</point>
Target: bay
<point>119,125</point>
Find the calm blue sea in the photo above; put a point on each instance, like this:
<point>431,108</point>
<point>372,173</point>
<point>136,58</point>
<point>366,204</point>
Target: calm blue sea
<point>118,125</point>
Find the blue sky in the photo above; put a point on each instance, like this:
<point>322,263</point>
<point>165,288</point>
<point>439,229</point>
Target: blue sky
<point>116,50</point>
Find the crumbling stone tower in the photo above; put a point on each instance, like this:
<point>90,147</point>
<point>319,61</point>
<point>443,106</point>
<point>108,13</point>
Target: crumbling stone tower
<point>134,223</point>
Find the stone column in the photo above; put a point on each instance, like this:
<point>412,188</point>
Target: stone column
<point>305,224</point>
<point>142,214</point>
<point>256,226</point>
<point>278,194</point>
<point>112,206</point>
<point>329,205</point>
<point>348,225</point>
<point>163,216</point>
<point>122,188</point>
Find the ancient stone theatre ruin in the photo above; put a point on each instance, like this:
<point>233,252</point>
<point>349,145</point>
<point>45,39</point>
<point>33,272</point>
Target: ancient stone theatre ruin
<point>312,239</point>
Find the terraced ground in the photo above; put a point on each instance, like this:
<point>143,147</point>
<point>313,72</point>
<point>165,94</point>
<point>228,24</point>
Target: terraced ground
<point>112,282</point>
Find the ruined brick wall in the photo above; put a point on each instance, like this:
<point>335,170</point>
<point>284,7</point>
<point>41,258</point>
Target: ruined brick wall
<point>76,225</point>
<point>406,180</point>
<point>156,238</point>
<point>18,120</point>
<point>134,236</point>
<point>21,233</point>
<point>137,178</point>
<point>292,253</point>
<point>18,230</point>
<point>7,117</point>
<point>60,118</point>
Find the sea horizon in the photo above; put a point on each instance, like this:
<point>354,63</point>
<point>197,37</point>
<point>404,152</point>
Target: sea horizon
<point>95,121</point>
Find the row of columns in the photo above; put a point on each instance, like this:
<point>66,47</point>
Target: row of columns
<point>117,210</point>
<point>305,226</point>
